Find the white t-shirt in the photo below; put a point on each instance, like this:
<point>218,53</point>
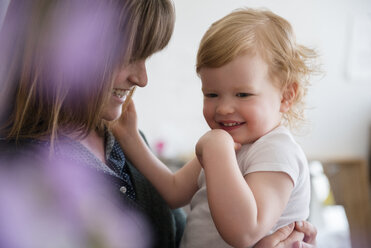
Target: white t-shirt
<point>275,151</point>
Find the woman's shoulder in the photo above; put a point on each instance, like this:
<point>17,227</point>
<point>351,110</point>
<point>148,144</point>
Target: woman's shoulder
<point>22,152</point>
<point>22,146</point>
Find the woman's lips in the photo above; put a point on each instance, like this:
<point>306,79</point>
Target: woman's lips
<point>120,94</point>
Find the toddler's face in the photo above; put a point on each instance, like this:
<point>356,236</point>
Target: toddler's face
<point>240,98</point>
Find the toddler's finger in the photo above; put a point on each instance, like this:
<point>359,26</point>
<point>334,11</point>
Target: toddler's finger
<point>237,146</point>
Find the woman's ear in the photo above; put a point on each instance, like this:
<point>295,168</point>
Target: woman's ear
<point>288,96</point>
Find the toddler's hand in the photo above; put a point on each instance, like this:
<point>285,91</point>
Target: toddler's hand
<point>237,146</point>
<point>216,140</point>
<point>127,123</point>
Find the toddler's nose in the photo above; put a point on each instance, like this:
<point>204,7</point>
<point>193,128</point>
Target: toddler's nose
<point>224,108</point>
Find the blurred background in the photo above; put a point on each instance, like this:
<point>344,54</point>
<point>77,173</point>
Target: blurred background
<point>337,137</point>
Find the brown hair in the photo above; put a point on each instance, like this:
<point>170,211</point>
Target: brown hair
<point>261,31</point>
<point>50,100</point>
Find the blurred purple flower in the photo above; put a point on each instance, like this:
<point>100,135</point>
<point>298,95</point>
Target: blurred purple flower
<point>66,43</point>
<point>63,205</point>
<point>81,38</point>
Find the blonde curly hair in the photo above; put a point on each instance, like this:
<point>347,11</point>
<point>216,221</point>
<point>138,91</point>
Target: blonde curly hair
<point>259,30</point>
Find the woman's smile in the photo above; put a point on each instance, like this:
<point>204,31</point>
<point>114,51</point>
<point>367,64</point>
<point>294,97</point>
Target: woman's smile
<point>120,94</point>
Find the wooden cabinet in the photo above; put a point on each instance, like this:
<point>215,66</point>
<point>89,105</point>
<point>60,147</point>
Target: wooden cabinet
<point>350,185</point>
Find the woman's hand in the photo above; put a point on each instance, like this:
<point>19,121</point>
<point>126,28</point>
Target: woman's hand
<point>300,235</point>
<point>310,233</point>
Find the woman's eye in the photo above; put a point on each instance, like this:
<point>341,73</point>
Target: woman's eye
<point>210,95</point>
<point>243,94</point>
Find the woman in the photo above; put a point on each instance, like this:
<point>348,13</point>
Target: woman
<point>66,68</point>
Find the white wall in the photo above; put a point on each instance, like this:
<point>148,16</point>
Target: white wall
<point>170,107</point>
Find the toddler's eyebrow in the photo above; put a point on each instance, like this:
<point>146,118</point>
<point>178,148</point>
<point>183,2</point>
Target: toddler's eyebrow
<point>244,88</point>
<point>206,89</point>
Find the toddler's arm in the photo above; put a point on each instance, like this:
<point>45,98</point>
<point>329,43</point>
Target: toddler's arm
<point>244,209</point>
<point>176,188</point>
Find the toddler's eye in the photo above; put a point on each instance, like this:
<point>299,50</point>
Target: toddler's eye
<point>210,95</point>
<point>243,94</point>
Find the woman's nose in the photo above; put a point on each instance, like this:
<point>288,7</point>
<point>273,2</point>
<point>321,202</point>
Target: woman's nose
<point>138,74</point>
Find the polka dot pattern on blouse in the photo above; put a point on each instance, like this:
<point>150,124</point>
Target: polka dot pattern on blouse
<point>116,160</point>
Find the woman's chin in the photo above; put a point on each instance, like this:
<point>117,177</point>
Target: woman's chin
<point>112,115</point>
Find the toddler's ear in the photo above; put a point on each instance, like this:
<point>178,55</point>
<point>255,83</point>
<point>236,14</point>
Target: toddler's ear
<point>288,96</point>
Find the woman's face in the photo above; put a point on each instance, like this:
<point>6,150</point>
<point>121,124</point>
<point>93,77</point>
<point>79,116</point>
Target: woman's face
<point>133,74</point>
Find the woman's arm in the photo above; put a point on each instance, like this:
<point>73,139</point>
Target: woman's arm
<point>176,188</point>
<point>243,209</point>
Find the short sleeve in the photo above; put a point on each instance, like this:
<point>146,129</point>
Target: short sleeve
<point>275,151</point>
